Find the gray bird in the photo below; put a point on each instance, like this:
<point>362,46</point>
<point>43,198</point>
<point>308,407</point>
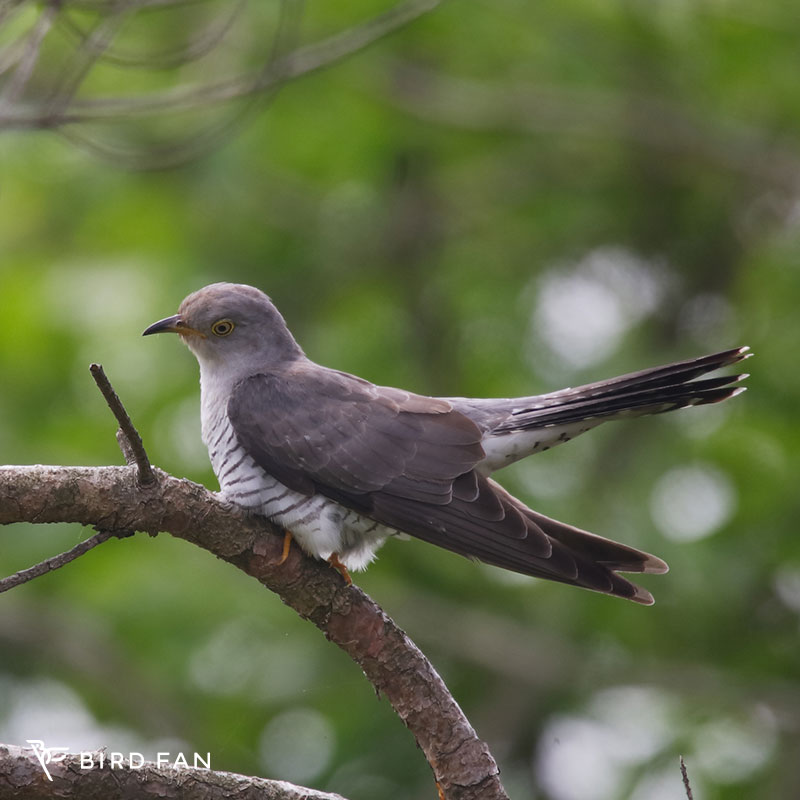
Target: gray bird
<point>342,464</point>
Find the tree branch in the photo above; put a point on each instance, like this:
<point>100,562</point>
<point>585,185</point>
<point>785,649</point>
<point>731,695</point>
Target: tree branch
<point>111,498</point>
<point>24,779</point>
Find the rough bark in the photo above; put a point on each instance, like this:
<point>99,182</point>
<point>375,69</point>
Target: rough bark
<point>111,499</point>
<point>22,778</point>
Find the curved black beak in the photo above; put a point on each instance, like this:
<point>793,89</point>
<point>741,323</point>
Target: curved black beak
<point>168,325</point>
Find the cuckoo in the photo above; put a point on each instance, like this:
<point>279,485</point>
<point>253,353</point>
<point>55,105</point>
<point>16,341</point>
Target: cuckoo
<point>341,464</point>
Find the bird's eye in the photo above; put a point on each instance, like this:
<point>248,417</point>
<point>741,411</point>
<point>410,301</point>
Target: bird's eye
<point>222,327</point>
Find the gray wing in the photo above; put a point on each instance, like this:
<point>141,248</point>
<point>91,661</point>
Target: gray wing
<point>408,462</point>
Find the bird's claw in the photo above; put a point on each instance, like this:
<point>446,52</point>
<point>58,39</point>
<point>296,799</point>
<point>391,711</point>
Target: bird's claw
<point>287,546</point>
<point>340,568</point>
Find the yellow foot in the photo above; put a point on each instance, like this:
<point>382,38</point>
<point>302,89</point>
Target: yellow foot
<point>287,546</point>
<point>340,568</point>
<point>440,790</point>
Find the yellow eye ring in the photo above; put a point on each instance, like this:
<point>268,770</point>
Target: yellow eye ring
<point>222,327</point>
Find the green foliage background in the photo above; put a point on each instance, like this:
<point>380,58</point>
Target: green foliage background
<point>447,211</point>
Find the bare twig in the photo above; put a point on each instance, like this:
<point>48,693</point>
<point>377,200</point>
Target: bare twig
<point>130,442</point>
<point>329,51</point>
<point>300,62</point>
<point>397,669</point>
<point>232,100</point>
<point>685,776</point>
<point>198,47</point>
<point>202,138</point>
<point>25,780</point>
<point>22,75</point>
<point>70,80</point>
<point>50,564</point>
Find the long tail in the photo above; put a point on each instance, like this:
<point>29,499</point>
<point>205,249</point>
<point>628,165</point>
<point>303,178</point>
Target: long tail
<point>651,391</point>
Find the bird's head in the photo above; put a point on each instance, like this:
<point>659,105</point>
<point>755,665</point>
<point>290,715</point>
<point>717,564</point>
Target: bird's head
<point>231,325</point>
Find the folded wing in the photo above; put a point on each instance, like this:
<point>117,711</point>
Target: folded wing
<point>408,462</point>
